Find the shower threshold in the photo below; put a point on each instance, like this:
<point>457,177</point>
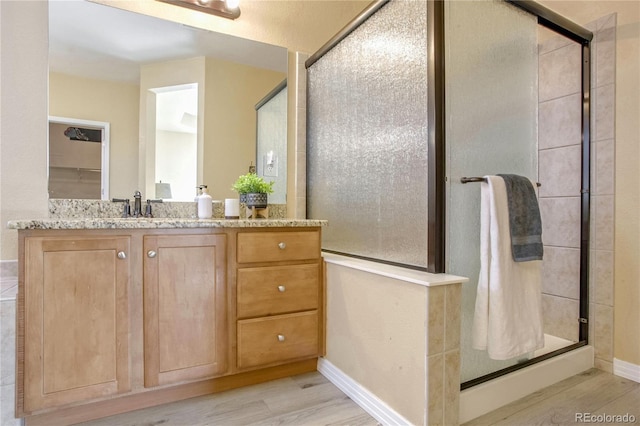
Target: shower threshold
<point>551,364</point>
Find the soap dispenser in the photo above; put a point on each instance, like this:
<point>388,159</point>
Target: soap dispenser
<point>205,204</point>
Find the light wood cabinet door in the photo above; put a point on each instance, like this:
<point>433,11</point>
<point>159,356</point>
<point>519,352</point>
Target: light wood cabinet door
<point>76,319</point>
<point>185,324</point>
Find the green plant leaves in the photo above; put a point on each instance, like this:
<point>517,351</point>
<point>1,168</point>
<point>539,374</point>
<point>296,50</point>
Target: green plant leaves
<point>252,183</point>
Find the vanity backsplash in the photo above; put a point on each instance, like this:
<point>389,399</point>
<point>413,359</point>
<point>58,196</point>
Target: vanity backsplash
<point>78,209</point>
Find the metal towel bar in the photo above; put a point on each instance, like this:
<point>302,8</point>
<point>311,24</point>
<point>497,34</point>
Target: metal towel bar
<point>480,179</point>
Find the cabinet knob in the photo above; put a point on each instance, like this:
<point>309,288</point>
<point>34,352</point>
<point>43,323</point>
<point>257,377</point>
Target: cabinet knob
<point>280,337</point>
<point>122,255</point>
<point>151,253</point>
<point>281,288</point>
<point>282,246</point>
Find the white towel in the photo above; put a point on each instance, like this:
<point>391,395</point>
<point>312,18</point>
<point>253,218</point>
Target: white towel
<point>508,314</point>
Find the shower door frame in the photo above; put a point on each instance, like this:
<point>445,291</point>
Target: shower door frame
<point>437,145</point>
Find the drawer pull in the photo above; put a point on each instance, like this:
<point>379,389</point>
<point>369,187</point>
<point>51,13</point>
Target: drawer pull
<point>122,255</point>
<point>282,246</point>
<point>281,288</point>
<point>280,337</point>
<point>151,253</point>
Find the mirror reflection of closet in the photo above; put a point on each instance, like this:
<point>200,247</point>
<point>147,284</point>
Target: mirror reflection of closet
<point>78,158</point>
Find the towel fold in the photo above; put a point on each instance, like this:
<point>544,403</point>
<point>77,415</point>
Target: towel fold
<point>508,311</point>
<point>525,225</point>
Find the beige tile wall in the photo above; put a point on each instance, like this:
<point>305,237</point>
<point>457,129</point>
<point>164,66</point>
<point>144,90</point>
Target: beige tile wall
<point>443,354</point>
<point>559,173</point>
<point>559,164</point>
<point>8,287</point>
<point>601,276</point>
<point>8,279</point>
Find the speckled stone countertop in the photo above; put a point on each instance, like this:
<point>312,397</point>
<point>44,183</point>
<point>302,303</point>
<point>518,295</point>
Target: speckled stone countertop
<point>159,223</point>
<point>98,214</point>
<point>93,209</point>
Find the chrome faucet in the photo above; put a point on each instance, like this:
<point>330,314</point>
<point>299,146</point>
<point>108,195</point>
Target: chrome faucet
<point>147,209</point>
<point>137,205</point>
<point>126,211</point>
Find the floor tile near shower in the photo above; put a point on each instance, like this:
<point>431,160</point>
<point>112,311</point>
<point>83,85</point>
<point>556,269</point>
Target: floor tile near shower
<point>8,289</point>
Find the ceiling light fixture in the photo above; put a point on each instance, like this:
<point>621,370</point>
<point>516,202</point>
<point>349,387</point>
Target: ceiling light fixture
<point>226,8</point>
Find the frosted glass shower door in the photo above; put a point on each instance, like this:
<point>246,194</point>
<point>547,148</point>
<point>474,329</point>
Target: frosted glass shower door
<point>367,136</point>
<point>491,101</point>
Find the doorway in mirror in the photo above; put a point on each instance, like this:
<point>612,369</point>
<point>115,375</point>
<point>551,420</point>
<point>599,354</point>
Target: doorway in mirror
<point>176,139</point>
<point>78,158</point>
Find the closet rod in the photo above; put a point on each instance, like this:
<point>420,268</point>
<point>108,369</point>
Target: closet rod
<point>480,179</point>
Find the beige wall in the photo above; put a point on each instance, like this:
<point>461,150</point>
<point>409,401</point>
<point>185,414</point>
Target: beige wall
<point>627,177</point>
<point>377,324</point>
<point>232,91</point>
<point>113,102</point>
<point>406,333</point>
<point>23,117</point>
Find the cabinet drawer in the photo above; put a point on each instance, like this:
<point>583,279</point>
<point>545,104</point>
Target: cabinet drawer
<point>270,340</point>
<point>277,290</point>
<point>278,246</point>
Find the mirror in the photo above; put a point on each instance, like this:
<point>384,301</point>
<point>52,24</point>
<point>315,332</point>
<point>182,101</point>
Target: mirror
<point>109,65</point>
<point>78,157</point>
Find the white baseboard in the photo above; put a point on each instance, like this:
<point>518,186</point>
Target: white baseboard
<point>626,370</point>
<point>370,403</point>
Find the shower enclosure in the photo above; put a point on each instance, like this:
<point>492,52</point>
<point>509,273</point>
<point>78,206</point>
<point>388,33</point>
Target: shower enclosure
<point>503,97</point>
<point>415,96</point>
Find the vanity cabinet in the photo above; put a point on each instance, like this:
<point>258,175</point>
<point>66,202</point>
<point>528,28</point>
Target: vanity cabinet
<point>278,297</point>
<point>185,317</point>
<point>112,320</point>
<point>76,327</point>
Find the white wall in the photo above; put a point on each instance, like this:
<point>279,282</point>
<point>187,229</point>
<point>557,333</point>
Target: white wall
<point>176,153</point>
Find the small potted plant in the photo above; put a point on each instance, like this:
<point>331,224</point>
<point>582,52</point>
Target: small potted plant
<point>253,190</point>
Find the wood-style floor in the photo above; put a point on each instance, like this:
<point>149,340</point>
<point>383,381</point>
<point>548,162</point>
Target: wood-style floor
<point>309,399</point>
<point>572,401</point>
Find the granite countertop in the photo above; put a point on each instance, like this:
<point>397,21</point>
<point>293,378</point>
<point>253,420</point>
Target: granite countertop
<point>155,223</point>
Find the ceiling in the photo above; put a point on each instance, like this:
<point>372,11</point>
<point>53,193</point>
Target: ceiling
<point>98,41</point>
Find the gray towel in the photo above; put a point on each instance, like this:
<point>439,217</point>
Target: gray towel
<point>525,224</point>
